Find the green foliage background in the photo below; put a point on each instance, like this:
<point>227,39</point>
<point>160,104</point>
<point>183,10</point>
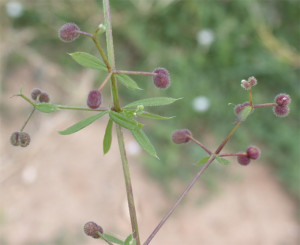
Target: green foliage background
<point>259,38</point>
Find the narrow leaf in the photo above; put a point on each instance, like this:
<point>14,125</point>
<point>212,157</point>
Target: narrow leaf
<point>124,121</point>
<point>202,161</point>
<point>222,160</point>
<point>88,60</point>
<point>158,101</point>
<point>46,107</point>
<point>151,115</point>
<point>144,141</point>
<point>129,240</point>
<point>128,81</point>
<point>82,124</point>
<point>112,239</point>
<point>245,113</point>
<point>107,136</point>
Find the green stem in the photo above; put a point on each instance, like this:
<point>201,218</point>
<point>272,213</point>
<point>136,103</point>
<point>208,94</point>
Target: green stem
<point>28,118</point>
<point>27,99</point>
<point>141,73</point>
<point>62,107</point>
<point>130,199</point>
<point>114,90</point>
<point>98,45</point>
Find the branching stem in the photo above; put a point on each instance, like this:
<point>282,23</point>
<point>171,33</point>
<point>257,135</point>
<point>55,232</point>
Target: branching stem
<point>209,161</point>
<point>27,120</point>
<point>114,90</point>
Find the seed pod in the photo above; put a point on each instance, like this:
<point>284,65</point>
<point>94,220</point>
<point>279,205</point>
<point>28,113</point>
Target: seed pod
<point>243,160</point>
<point>94,99</point>
<point>181,136</point>
<point>252,81</point>
<point>24,139</point>
<point>281,111</point>
<point>162,79</point>
<point>44,97</point>
<point>282,99</point>
<point>253,152</point>
<point>35,93</point>
<point>245,84</point>
<point>67,32</point>
<point>14,138</point>
<point>92,229</point>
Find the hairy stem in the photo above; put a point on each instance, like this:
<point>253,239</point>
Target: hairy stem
<point>209,161</point>
<point>114,90</point>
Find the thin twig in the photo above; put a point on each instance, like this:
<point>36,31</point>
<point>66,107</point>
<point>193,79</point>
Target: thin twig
<point>209,161</point>
<point>142,73</point>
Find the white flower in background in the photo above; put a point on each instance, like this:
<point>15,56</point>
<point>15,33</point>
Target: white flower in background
<point>205,37</point>
<point>201,104</point>
<point>29,174</point>
<point>133,148</point>
<point>14,9</point>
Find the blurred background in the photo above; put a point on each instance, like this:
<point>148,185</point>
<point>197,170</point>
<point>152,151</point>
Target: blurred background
<point>51,188</point>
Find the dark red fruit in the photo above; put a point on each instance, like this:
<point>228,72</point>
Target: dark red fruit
<point>92,229</point>
<point>281,111</point>
<point>162,79</point>
<point>44,97</point>
<point>24,139</point>
<point>253,152</point>
<point>181,136</point>
<point>282,99</point>
<point>14,138</point>
<point>243,160</point>
<point>94,99</point>
<point>35,93</point>
<point>67,32</point>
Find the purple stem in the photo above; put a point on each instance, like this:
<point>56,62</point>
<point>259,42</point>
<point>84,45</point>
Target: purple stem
<point>210,160</point>
<point>233,154</point>
<point>85,33</point>
<point>198,143</point>
<point>264,105</point>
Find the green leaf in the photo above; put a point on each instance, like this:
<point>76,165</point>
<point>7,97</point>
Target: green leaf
<point>222,160</point>
<point>144,141</point>
<point>158,101</point>
<point>245,113</point>
<point>46,107</point>
<point>129,240</point>
<point>154,116</point>
<point>112,239</point>
<point>82,124</point>
<point>88,60</point>
<point>128,81</point>
<point>202,161</point>
<point>124,121</point>
<point>107,136</point>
